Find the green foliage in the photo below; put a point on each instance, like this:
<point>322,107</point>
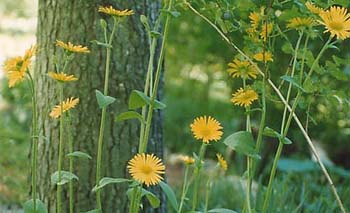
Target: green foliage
<point>242,142</point>
<point>65,177</point>
<point>28,207</point>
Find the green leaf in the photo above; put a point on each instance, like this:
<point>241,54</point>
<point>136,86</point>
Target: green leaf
<point>170,195</point>
<point>94,211</point>
<point>173,13</point>
<point>107,180</point>
<point>270,132</point>
<point>293,81</point>
<point>65,177</point>
<point>28,206</point>
<point>79,154</point>
<point>139,99</point>
<point>274,134</point>
<point>144,21</point>
<point>155,34</point>
<point>221,211</point>
<point>243,142</point>
<point>103,23</point>
<point>129,115</point>
<point>103,100</point>
<point>101,44</point>
<point>152,198</point>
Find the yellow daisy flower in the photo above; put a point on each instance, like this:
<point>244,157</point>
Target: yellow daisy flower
<point>337,22</point>
<point>266,31</point>
<point>244,97</point>
<point>263,56</point>
<point>114,12</point>
<point>242,69</point>
<point>15,77</point>
<point>66,105</point>
<point>313,9</point>
<point>300,23</point>
<point>206,129</point>
<point>187,159</point>
<point>222,162</point>
<point>146,168</point>
<point>254,19</point>
<point>71,47</point>
<point>15,68</point>
<point>62,77</point>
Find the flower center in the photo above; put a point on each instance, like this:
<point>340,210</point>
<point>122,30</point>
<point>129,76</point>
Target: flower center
<point>206,132</point>
<point>146,169</point>
<point>336,25</point>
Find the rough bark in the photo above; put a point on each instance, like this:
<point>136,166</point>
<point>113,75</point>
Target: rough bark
<point>77,21</point>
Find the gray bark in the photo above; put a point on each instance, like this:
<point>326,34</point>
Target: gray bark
<point>77,21</point>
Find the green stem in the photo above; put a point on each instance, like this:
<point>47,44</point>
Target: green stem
<point>60,151</point>
<point>71,165</point>
<point>135,200</point>
<point>143,145</point>
<point>196,176</point>
<point>184,188</point>
<point>207,195</point>
<point>280,145</point>
<point>103,117</point>
<point>147,87</point>
<point>34,141</point>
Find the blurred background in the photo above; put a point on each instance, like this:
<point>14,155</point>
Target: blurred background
<point>196,83</point>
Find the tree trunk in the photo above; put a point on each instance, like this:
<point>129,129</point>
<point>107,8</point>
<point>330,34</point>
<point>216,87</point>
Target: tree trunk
<point>77,21</point>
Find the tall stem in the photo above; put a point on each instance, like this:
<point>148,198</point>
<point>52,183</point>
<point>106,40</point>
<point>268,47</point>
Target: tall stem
<point>103,116</point>
<point>147,87</point>
<point>280,145</point>
<point>207,195</point>
<point>196,176</point>
<point>184,188</point>
<point>35,137</point>
<point>60,150</point>
<point>143,145</point>
<point>71,165</point>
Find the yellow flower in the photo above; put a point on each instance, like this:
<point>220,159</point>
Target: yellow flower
<point>266,31</point>
<point>71,47</point>
<point>66,105</point>
<point>62,77</point>
<point>263,56</point>
<point>15,77</point>
<point>244,97</point>
<point>187,159</point>
<point>146,168</point>
<point>15,68</point>
<point>300,23</point>
<point>254,19</point>
<point>314,9</point>
<point>222,162</point>
<point>206,129</point>
<point>114,12</point>
<point>242,69</point>
<point>337,22</point>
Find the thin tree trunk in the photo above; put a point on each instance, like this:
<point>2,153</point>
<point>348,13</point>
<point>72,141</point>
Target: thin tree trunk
<point>77,21</point>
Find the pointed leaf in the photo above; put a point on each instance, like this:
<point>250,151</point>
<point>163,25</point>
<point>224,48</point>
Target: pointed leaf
<point>103,100</point>
<point>292,81</point>
<point>152,198</point>
<point>129,115</point>
<point>221,211</point>
<point>79,154</point>
<point>65,177</point>
<point>270,132</point>
<point>138,99</point>
<point>28,206</point>
<point>242,142</point>
<point>169,194</point>
<point>107,180</point>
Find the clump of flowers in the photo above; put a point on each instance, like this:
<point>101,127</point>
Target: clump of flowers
<point>64,107</point>
<point>114,12</point>
<point>242,69</point>
<point>337,22</point>
<point>72,48</point>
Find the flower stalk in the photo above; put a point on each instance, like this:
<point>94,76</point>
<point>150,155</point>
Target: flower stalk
<point>104,111</point>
